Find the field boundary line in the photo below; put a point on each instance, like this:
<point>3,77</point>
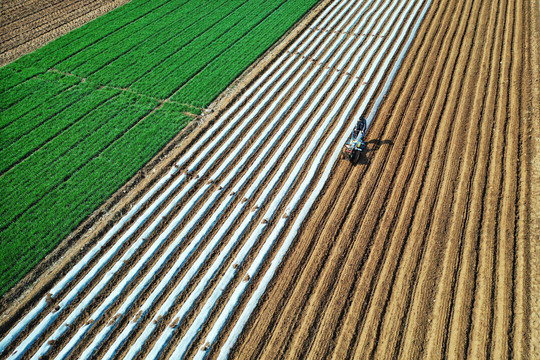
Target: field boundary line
<point>127,90</point>
<point>11,55</point>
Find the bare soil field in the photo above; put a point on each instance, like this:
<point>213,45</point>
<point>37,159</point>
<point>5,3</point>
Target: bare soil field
<point>251,241</point>
<point>29,24</point>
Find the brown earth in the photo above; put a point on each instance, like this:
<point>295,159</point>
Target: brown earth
<point>425,250</point>
<point>30,24</point>
<point>421,250</point>
<point>534,216</point>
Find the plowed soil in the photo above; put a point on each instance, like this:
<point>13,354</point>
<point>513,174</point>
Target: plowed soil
<point>423,249</point>
<point>29,24</point>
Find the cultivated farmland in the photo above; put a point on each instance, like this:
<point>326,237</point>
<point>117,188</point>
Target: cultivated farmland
<point>257,241</point>
<point>219,214</point>
<point>424,250</point>
<point>81,115</point>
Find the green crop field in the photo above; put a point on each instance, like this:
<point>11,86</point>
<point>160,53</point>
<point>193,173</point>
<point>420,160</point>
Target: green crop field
<point>83,114</point>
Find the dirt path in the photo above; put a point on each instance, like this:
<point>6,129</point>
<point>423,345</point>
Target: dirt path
<point>28,25</point>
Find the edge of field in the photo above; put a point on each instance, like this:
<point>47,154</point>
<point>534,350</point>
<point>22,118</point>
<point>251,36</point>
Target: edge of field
<point>534,53</point>
<point>42,40</point>
<point>39,280</point>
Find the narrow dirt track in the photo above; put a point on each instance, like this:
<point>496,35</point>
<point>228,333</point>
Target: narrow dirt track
<point>423,251</point>
<point>28,25</point>
<point>257,243</point>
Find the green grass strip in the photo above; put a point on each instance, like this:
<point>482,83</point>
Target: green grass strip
<point>25,242</point>
<point>122,72</point>
<point>52,119</point>
<point>93,57</point>
<point>175,71</point>
<point>20,99</point>
<point>20,125</point>
<point>203,88</point>
<point>56,161</point>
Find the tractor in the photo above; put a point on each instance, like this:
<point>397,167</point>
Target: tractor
<point>356,144</point>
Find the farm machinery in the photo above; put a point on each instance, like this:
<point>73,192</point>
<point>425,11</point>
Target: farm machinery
<point>356,144</point>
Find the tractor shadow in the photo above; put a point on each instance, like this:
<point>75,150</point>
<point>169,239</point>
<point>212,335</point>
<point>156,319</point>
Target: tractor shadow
<point>371,147</point>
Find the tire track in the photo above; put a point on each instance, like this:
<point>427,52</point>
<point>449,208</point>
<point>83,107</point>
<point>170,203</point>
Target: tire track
<point>506,221</point>
<point>522,253</point>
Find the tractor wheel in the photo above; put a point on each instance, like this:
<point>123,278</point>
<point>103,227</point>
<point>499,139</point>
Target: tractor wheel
<point>355,157</point>
<point>344,154</point>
